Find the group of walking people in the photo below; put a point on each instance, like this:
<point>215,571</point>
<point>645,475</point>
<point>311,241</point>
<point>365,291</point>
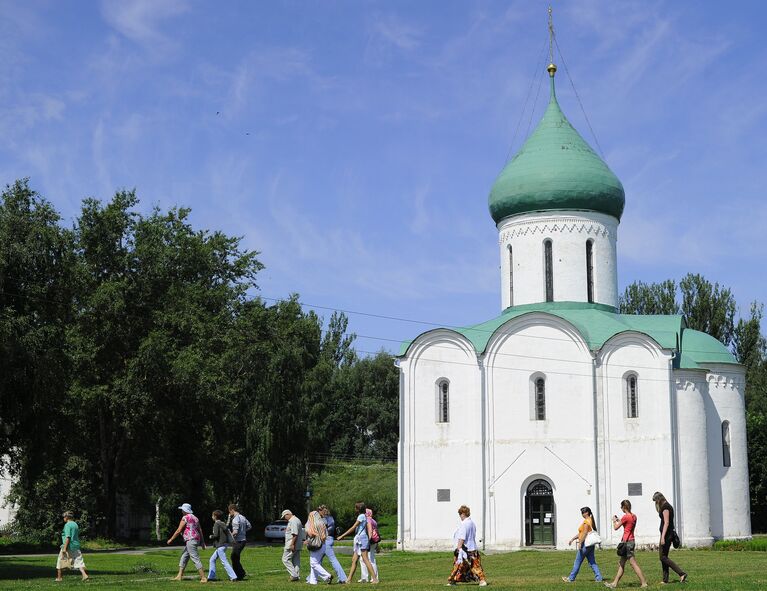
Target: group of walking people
<point>319,535</point>
<point>587,539</point>
<point>321,531</point>
<point>232,533</point>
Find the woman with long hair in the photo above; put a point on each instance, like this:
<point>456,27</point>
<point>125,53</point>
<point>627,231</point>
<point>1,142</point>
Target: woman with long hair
<point>628,522</point>
<point>316,534</point>
<point>362,534</point>
<point>583,551</point>
<point>667,534</point>
<point>364,575</point>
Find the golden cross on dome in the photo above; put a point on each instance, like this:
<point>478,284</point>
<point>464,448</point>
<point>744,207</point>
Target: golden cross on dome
<point>552,68</point>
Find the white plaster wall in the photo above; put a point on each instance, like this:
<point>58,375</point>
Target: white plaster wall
<point>728,486</point>
<point>634,450</point>
<point>559,448</point>
<point>7,512</point>
<point>568,232</point>
<point>693,509</point>
<point>440,455</point>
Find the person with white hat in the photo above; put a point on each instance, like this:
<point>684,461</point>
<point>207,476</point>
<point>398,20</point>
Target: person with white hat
<point>294,540</point>
<point>193,539</point>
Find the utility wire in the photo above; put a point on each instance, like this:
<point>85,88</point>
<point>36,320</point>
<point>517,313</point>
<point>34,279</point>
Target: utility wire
<point>527,99</point>
<point>577,96</point>
<point>385,317</point>
<point>532,110</point>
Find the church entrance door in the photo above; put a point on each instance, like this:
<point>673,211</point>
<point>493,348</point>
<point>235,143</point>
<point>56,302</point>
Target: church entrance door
<point>540,514</point>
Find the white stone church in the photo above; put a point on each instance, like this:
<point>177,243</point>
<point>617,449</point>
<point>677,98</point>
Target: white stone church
<point>560,401</point>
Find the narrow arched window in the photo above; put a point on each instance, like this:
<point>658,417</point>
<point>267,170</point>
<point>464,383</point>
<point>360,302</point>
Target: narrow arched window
<point>540,399</point>
<point>632,397</point>
<point>443,401</point>
<point>548,266</point>
<point>511,277</point>
<point>590,270</point>
<point>726,460</point>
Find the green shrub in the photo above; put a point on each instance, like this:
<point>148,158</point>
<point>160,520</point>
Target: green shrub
<point>754,545</point>
<point>20,545</point>
<point>340,485</point>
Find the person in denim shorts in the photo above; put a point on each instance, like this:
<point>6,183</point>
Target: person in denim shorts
<point>628,522</point>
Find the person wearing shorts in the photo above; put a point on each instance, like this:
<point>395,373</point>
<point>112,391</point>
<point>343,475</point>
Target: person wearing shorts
<point>628,522</point>
<point>362,533</point>
<point>70,555</point>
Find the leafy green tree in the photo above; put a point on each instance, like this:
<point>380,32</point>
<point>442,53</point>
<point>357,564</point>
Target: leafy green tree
<point>649,298</point>
<point>136,364</point>
<point>751,350</point>
<point>708,307</point>
<point>366,411</point>
<point>36,271</point>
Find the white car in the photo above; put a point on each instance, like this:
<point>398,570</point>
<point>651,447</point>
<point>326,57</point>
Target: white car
<point>275,530</point>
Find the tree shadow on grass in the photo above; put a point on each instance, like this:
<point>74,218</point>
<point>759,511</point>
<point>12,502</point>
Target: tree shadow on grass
<point>17,571</point>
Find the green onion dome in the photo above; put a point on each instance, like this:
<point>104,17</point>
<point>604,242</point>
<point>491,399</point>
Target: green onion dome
<point>556,170</point>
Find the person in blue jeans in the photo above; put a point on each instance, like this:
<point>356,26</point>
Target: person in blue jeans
<point>330,541</point>
<point>222,538</point>
<point>582,551</point>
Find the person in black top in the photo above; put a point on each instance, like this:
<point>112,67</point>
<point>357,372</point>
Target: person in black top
<point>667,533</point>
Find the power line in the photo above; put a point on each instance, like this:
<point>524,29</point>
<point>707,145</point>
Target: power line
<point>532,370</point>
<point>393,318</point>
<point>453,327</point>
<point>524,106</point>
<point>577,96</point>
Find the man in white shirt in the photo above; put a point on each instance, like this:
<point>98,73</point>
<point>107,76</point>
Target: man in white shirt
<point>294,540</point>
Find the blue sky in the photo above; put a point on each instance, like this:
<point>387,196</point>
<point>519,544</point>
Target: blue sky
<point>354,143</point>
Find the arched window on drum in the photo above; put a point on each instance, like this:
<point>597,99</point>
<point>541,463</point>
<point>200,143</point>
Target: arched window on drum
<point>548,270</point>
<point>726,459</point>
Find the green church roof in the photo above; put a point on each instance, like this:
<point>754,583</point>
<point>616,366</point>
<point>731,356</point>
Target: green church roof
<point>597,323</point>
<point>556,170</point>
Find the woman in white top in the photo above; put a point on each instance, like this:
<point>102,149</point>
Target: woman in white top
<point>467,565</point>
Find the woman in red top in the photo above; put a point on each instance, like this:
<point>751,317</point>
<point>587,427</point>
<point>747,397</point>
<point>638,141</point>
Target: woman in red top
<point>628,522</point>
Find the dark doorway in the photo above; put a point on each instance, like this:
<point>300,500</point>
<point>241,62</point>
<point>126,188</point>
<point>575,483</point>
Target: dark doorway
<point>540,515</point>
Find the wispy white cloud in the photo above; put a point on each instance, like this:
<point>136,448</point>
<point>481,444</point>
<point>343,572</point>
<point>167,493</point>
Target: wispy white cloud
<point>397,32</point>
<point>142,21</point>
<point>388,36</point>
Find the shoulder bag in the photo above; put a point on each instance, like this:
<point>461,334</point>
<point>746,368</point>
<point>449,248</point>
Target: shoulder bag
<point>592,539</point>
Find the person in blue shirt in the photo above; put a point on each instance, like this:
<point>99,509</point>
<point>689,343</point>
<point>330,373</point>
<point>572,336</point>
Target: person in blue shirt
<point>362,534</point>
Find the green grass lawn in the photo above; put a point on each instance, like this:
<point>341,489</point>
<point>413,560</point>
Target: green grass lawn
<point>534,571</point>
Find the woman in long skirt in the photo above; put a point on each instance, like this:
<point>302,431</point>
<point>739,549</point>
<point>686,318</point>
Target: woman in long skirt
<point>467,566</point>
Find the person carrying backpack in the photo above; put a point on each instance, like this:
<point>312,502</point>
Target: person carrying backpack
<point>221,538</point>
<point>375,537</point>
